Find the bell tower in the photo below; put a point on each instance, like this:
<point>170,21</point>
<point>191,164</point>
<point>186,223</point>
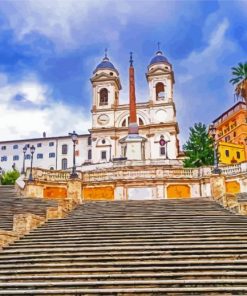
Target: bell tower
<point>106,85</point>
<point>160,79</point>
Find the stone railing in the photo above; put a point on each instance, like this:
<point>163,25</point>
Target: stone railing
<point>50,175</point>
<point>234,169</point>
<point>112,172</point>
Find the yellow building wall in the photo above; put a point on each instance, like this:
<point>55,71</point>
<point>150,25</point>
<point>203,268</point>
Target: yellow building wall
<point>232,187</point>
<point>98,193</point>
<point>235,154</point>
<point>178,191</point>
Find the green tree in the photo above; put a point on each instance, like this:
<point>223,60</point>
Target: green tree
<point>9,177</point>
<point>199,147</point>
<point>240,80</point>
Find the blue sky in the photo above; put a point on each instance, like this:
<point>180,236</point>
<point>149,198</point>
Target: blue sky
<point>49,49</point>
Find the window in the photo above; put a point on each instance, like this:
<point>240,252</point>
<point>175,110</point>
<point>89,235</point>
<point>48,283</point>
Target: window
<point>52,155</point>
<point>4,158</point>
<point>238,155</point>
<point>103,154</point>
<point>39,145</point>
<point>27,156</point>
<point>103,141</point>
<point>64,149</point>
<point>234,134</point>
<point>52,168</point>
<point>39,155</point>
<point>162,151</point>
<point>89,141</point>
<point>140,121</point>
<point>15,146</point>
<point>51,144</point>
<point>89,154</point>
<point>3,148</point>
<point>227,139</point>
<point>227,153</point>
<point>160,91</point>
<point>64,163</point>
<point>103,97</point>
<point>16,157</point>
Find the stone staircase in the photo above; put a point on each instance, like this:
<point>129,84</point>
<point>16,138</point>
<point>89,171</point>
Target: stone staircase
<point>158,247</point>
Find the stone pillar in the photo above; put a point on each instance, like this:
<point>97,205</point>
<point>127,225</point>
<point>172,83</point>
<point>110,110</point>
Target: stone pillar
<point>33,190</point>
<point>218,188</point>
<point>74,190</point>
<point>119,192</point>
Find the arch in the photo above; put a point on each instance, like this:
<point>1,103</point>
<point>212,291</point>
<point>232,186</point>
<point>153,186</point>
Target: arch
<point>103,97</point>
<point>160,91</point>
<point>120,120</point>
<point>103,142</point>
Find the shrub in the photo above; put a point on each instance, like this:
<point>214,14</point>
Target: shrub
<point>9,177</point>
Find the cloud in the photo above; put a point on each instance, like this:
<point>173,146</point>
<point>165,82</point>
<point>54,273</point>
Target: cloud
<point>203,90</point>
<point>27,109</point>
<point>73,23</point>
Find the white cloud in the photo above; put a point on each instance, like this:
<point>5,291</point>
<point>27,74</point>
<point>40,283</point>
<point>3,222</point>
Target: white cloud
<point>73,23</point>
<point>38,112</point>
<point>197,71</point>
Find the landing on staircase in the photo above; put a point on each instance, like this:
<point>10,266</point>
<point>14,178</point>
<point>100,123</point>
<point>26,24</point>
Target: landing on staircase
<point>162,247</point>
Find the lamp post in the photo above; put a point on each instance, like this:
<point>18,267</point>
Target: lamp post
<point>74,138</point>
<point>212,132</point>
<point>32,150</point>
<point>24,156</point>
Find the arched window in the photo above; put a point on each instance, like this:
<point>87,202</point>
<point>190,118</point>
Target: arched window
<point>160,91</point>
<point>64,164</point>
<point>140,121</point>
<point>103,97</point>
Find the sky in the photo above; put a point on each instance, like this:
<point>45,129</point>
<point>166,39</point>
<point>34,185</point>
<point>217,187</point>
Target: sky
<point>49,49</point>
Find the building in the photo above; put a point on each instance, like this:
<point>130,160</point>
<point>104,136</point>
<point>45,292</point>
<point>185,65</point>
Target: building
<point>156,117</point>
<point>148,129</point>
<point>231,134</point>
<point>50,152</point>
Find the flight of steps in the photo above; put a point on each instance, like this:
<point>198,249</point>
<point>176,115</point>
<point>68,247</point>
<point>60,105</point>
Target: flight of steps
<point>158,247</point>
<point>11,204</point>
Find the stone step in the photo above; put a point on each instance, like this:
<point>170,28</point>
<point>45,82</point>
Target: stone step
<point>131,242</point>
<point>71,254</point>
<point>86,264</point>
<point>11,250</point>
<point>123,258</point>
<point>122,269</point>
<point>131,291</point>
<point>129,283</point>
<point>150,234</point>
<point>116,276</point>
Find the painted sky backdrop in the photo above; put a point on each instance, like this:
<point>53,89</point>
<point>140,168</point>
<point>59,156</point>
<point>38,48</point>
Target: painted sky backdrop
<point>49,49</point>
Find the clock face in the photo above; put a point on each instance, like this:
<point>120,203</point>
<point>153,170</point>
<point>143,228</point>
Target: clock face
<point>103,119</point>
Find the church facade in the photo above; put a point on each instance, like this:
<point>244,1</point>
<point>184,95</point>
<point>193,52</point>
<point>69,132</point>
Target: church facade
<point>156,118</point>
<point>136,131</point>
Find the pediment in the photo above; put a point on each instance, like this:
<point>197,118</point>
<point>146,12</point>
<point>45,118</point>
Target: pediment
<point>159,70</point>
<point>103,76</point>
